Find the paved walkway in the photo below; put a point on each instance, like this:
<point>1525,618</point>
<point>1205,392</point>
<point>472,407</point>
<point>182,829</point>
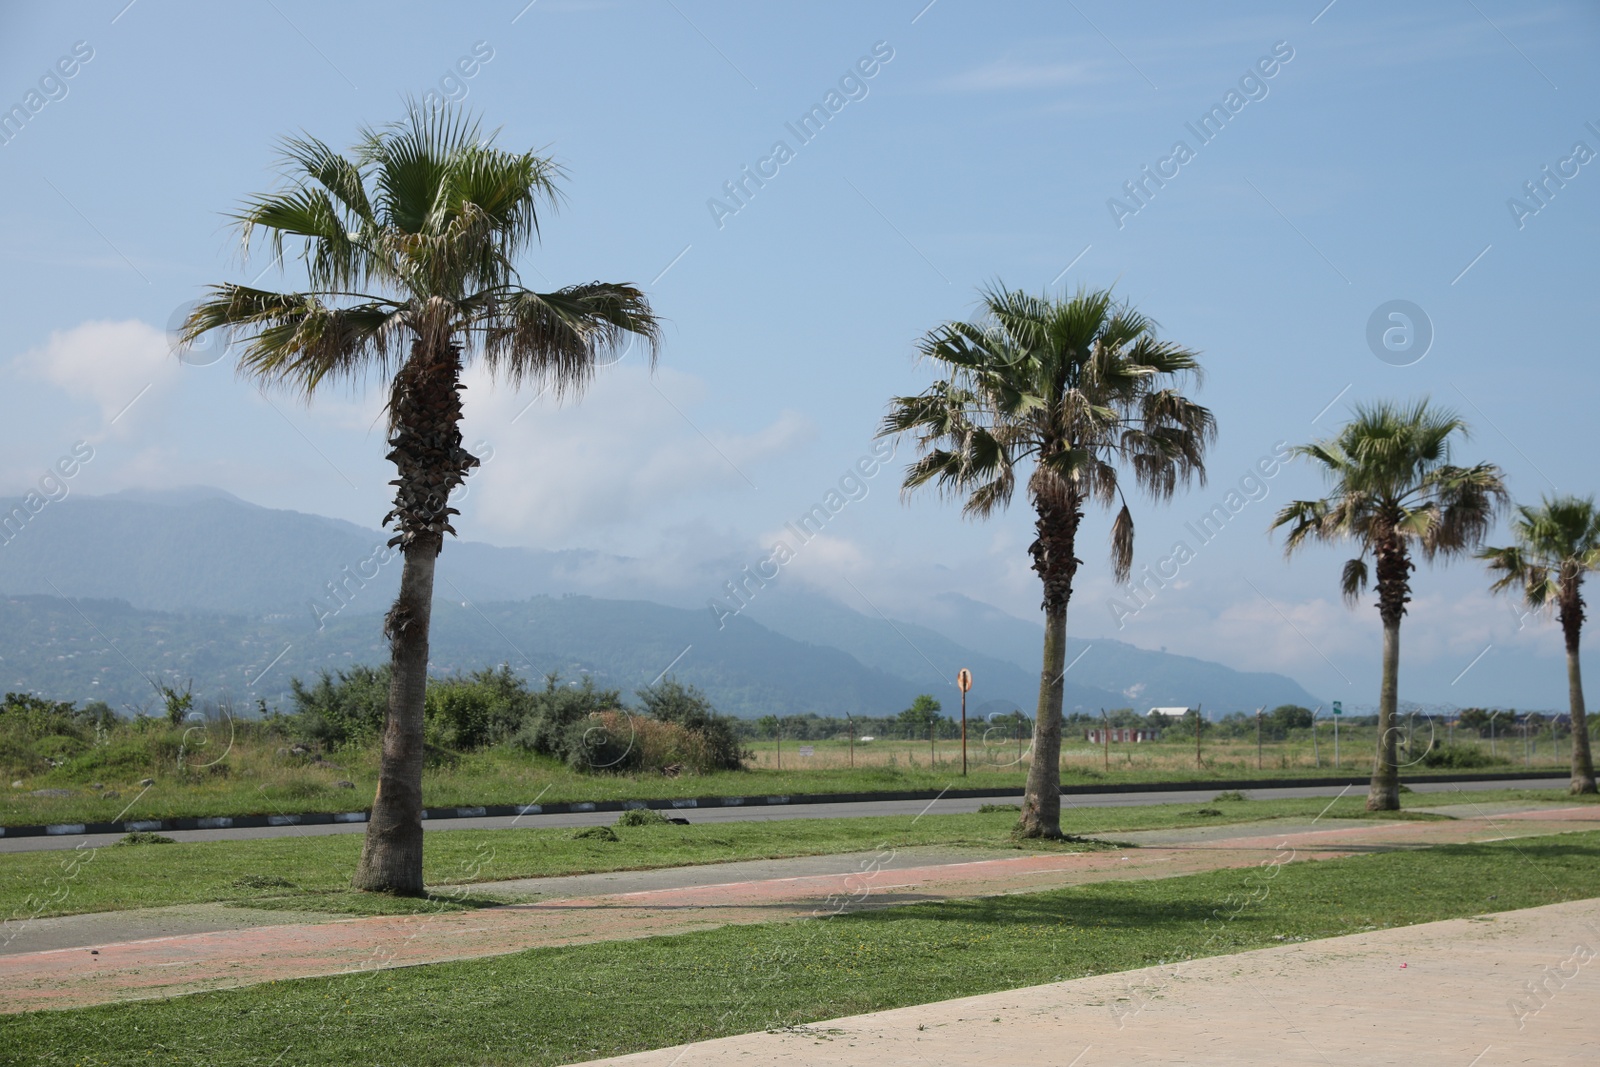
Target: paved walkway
<point>165,966</point>
<point>1513,988</point>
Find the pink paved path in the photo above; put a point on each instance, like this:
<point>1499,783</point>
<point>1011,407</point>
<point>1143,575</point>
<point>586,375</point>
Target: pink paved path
<point>76,977</point>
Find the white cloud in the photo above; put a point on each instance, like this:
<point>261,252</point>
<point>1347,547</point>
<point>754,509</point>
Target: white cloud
<point>636,448</point>
<point>825,561</point>
<point>111,364</point>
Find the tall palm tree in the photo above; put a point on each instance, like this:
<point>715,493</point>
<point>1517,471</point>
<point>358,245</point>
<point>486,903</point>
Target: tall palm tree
<point>410,245</point>
<point>1394,490</point>
<point>1071,388</point>
<point>1557,544</point>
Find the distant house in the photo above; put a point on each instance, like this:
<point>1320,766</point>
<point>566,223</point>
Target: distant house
<point>1121,734</point>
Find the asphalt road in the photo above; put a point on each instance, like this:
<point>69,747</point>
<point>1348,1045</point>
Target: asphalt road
<point>765,813</point>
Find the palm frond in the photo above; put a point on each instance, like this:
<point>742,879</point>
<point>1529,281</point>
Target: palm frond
<point>1353,580</point>
<point>296,340</point>
<point>558,338</point>
<point>1122,546</point>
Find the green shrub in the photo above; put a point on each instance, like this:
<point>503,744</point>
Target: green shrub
<point>456,714</point>
<point>59,747</point>
<point>717,747</point>
<point>602,741</point>
<point>148,747</point>
<point>37,734</point>
<point>548,730</point>
<point>596,833</point>
<point>995,809</point>
<point>348,710</point>
<point>145,837</point>
<point>482,708</point>
<point>1228,795</point>
<point>1461,757</point>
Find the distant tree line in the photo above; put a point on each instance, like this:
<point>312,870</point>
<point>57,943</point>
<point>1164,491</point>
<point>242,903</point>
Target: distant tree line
<point>924,718</point>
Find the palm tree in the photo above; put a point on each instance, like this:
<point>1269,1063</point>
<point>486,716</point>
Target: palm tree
<point>1558,543</point>
<point>410,246</point>
<point>1073,387</point>
<point>1393,488</point>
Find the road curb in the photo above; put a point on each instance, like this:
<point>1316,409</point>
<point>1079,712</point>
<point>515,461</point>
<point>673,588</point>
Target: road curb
<point>323,818</point>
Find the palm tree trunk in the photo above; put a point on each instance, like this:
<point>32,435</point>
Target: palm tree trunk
<point>1582,761</point>
<point>1041,803</point>
<point>1057,532</point>
<point>425,421</point>
<point>1394,569</point>
<point>1384,793</point>
<point>391,859</point>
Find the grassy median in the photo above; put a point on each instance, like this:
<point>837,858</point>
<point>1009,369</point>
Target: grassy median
<point>312,872</point>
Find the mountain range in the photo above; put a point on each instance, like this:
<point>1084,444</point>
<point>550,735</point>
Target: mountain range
<point>108,597</point>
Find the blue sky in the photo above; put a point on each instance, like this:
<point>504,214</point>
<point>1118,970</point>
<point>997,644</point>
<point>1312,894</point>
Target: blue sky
<point>1375,164</point>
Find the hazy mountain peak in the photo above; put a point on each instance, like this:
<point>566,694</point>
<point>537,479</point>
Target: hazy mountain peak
<point>181,495</point>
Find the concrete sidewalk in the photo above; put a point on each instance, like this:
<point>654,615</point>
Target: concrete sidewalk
<point>1513,988</point>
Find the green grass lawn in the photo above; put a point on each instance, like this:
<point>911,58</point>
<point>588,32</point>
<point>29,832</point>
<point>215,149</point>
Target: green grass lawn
<point>550,1006</point>
<point>317,868</point>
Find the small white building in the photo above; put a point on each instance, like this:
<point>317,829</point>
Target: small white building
<point>1101,735</point>
<point>1169,713</point>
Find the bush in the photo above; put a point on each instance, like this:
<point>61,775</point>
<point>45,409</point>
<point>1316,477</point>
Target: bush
<point>1228,795</point>
<point>581,725</point>
<point>553,712</point>
<point>483,708</point>
<point>601,741</point>
<point>995,809</point>
<point>1461,757</point>
<point>36,734</point>
<point>58,748</point>
<point>714,741</point>
<point>348,711</point>
<point>461,713</point>
<point>596,833</point>
<point>149,747</point>
<point>1286,717</point>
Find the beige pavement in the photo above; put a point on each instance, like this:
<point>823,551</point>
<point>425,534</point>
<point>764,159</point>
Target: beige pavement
<point>1517,987</point>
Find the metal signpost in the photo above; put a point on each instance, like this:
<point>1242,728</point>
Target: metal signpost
<point>1258,737</point>
<point>964,683</point>
<point>1338,710</point>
